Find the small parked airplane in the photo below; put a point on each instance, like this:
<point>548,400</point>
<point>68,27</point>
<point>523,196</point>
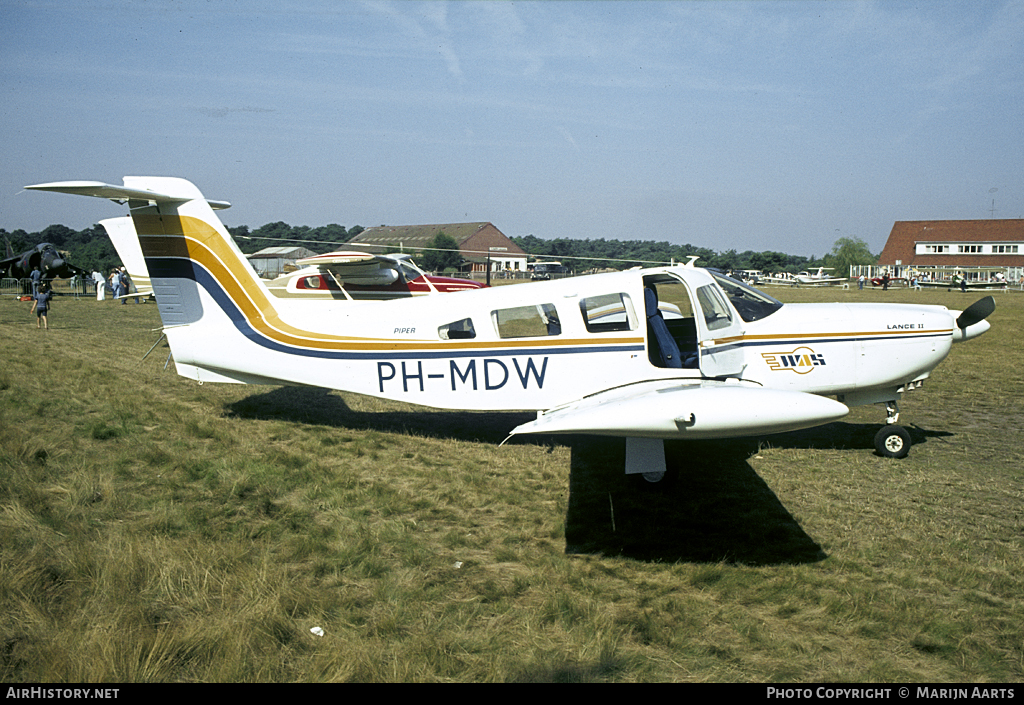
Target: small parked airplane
<point>818,278</point>
<point>593,354</point>
<point>335,275</point>
<point>361,276</point>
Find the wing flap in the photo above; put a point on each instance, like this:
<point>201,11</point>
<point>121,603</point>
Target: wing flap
<point>670,409</point>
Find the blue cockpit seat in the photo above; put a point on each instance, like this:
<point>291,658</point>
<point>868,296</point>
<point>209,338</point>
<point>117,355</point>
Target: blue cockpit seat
<point>662,348</point>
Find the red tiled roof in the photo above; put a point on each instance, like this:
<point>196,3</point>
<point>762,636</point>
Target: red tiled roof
<point>907,233</point>
<point>473,238</point>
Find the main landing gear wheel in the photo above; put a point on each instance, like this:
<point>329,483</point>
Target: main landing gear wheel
<point>892,441</point>
<point>656,482</point>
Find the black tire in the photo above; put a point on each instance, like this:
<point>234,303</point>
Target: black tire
<point>650,482</point>
<point>892,442</point>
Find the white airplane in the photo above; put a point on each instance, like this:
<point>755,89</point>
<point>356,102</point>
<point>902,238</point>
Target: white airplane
<point>592,354</point>
<point>818,278</point>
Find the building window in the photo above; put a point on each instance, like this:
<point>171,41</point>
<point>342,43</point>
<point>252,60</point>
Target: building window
<point>969,249</point>
<point>1005,249</point>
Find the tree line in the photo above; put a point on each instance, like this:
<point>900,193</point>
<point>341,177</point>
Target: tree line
<point>91,249</point>
<point>619,254</point>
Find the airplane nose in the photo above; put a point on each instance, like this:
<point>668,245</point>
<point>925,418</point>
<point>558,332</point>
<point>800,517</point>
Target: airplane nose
<point>971,331</point>
<point>971,322</point>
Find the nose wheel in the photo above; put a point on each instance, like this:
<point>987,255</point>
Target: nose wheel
<point>892,441</point>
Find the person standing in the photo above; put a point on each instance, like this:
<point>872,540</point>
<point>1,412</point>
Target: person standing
<point>41,305</point>
<point>36,276</point>
<point>98,282</point>
<point>122,280</point>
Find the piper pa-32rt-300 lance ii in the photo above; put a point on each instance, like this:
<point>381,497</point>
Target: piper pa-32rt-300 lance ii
<point>645,354</point>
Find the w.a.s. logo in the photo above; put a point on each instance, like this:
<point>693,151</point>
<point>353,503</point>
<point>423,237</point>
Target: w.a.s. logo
<point>802,360</point>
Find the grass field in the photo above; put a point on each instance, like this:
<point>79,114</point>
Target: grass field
<point>152,529</point>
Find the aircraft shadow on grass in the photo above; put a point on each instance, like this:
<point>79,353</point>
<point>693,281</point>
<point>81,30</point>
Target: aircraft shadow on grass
<point>318,406</point>
<point>713,507</point>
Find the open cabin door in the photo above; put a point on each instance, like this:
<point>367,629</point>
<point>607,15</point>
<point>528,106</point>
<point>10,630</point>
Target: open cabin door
<point>700,322</point>
<point>719,329</point>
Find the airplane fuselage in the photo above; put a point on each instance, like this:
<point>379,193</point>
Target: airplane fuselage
<point>534,346</point>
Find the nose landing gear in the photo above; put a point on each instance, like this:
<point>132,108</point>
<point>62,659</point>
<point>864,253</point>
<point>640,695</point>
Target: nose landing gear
<point>892,441</point>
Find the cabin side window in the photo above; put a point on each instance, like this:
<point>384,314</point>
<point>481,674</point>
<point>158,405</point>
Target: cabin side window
<point>608,312</point>
<point>527,321</point>
<point>457,330</point>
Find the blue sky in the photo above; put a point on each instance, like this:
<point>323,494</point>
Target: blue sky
<point>763,126</point>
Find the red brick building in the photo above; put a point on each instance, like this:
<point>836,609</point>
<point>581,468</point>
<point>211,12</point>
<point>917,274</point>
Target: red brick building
<point>977,248</point>
<point>478,242</point>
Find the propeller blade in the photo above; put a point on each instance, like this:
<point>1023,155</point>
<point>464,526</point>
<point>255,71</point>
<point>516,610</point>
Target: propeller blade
<point>978,311</point>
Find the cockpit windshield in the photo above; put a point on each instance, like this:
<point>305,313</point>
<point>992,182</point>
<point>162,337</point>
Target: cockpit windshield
<point>409,271</point>
<point>752,304</point>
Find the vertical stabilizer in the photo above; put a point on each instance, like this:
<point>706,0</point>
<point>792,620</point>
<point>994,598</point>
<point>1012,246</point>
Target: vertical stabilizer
<point>209,298</point>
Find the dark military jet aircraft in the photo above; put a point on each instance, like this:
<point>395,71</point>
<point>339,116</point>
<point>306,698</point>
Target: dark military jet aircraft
<point>45,256</point>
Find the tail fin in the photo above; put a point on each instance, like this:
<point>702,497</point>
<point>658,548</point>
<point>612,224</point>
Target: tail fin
<point>186,247</point>
<point>221,322</point>
<point>182,241</point>
<point>191,259</point>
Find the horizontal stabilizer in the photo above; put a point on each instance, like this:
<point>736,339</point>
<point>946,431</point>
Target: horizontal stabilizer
<point>98,189</point>
<point>673,409</point>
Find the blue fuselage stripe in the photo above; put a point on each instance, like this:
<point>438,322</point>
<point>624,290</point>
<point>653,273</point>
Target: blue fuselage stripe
<point>173,268</point>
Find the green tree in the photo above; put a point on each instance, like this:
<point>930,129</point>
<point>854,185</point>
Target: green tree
<point>443,254</point>
<point>848,251</point>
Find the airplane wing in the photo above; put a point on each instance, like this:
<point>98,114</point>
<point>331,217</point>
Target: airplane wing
<point>115,192</point>
<point>356,267</point>
<point>675,409</point>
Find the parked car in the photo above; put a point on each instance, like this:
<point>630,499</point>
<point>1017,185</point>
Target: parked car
<point>549,270</point>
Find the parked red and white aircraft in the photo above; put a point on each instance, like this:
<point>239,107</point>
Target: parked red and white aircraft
<point>592,354</point>
<point>361,276</point>
<point>335,275</point>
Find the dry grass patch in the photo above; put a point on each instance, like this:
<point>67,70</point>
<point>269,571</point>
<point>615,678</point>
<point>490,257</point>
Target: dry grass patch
<point>155,530</point>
